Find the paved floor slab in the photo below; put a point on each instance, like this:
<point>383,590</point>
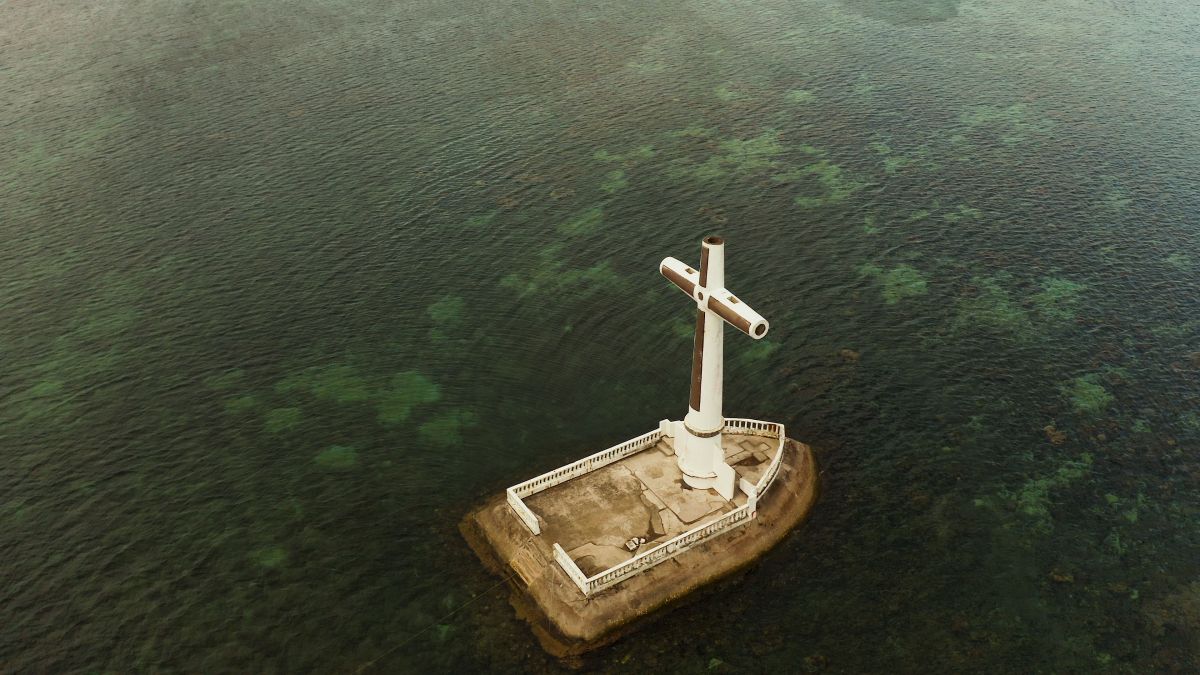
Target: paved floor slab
<point>641,497</point>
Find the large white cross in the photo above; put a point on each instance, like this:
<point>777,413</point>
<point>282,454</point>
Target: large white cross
<point>698,447</point>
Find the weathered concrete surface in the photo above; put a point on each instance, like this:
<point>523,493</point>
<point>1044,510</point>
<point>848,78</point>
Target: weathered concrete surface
<point>642,496</point>
<point>567,623</point>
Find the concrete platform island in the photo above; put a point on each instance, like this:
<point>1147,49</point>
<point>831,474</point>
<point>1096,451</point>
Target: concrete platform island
<point>577,582</point>
<point>596,544</point>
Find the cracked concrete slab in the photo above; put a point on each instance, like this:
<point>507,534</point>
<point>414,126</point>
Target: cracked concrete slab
<point>642,495</point>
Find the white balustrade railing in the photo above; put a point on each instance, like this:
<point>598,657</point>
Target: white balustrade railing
<point>586,465</point>
<point>572,570</point>
<point>670,548</point>
<point>667,550</point>
<point>523,511</point>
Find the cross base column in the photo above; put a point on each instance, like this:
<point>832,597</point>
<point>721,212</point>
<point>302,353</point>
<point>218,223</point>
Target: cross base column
<point>701,459</point>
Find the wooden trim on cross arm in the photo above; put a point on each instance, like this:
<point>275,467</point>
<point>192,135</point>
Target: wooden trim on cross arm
<point>679,280</point>
<point>726,312</point>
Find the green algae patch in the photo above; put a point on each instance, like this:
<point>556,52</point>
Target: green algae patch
<point>405,391</point>
<point>106,324</point>
<point>1033,498</point>
<point>726,94</point>
<point>269,557</point>
<point>1058,298</point>
<point>901,282</point>
<point>447,310</point>
<point>991,308</point>
<point>548,276</point>
<point>1012,125</point>
<point>447,316</point>
<point>447,428</point>
<point>42,401</point>
<point>337,457</point>
<point>684,330</point>
<point>340,383</point>
<point>869,270</point>
<point>694,131</point>
<point>226,380</point>
<point>1179,261</point>
<point>1116,199</point>
<point>585,222</point>
<point>760,350</point>
<point>640,153</point>
<point>1087,395</point>
<point>963,212</point>
<point>44,389</point>
<point>799,96</point>
<point>894,162</point>
<point>281,419</point>
<point>240,404</point>
<point>737,156</point>
<point>837,183</point>
<point>481,220</point>
<point>898,283</point>
<point>614,181</point>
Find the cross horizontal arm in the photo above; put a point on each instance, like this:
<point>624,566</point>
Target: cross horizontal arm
<point>686,278</point>
<point>719,301</point>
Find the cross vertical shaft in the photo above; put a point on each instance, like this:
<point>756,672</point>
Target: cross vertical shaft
<point>708,351</point>
<point>698,443</point>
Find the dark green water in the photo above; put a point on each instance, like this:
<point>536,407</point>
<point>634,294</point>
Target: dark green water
<point>285,288</point>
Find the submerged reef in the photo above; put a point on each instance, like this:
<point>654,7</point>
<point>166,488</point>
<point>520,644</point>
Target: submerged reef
<point>894,162</point>
<point>898,283</point>
<point>799,96</point>
<point>990,307</point>
<point>1033,498</point>
<point>226,380</point>
<point>838,184</point>
<point>447,316</point>
<point>337,457</point>
<point>585,222</point>
<point>642,152</point>
<point>281,419</point>
<point>1087,395</point>
<point>549,276</point>
<point>240,404</point>
<point>404,392</point>
<point>445,429</point>
<point>614,181</point>
<point>1058,298</point>
<point>1011,125</point>
<point>734,157</point>
<point>269,557</point>
<point>339,383</point>
<point>1175,621</point>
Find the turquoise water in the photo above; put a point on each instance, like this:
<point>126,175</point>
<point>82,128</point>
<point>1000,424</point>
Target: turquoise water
<point>287,288</point>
